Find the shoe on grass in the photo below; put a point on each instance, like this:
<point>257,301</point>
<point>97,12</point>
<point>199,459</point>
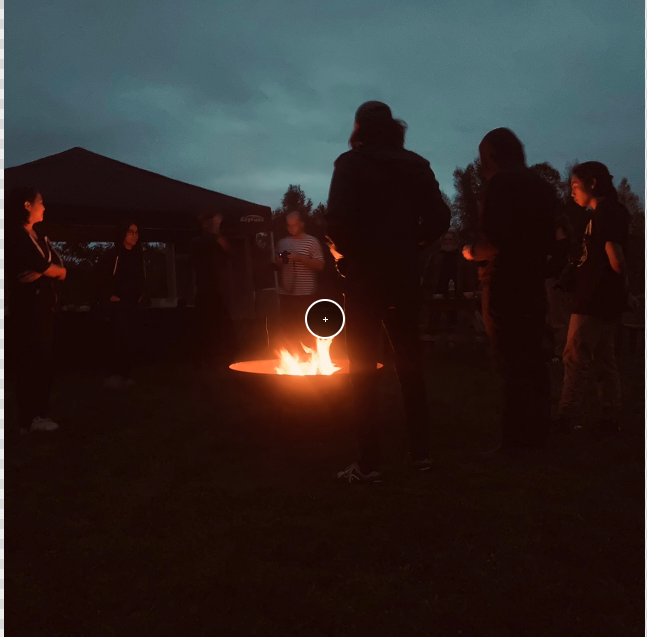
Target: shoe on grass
<point>353,473</point>
<point>43,424</point>
<point>424,464</point>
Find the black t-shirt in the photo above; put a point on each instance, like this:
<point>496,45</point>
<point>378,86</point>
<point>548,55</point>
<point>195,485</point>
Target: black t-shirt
<point>24,253</point>
<point>129,275</point>
<point>599,291</point>
<point>518,218</point>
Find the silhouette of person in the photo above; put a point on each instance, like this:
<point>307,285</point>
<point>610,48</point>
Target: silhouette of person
<point>516,235</point>
<point>384,203</point>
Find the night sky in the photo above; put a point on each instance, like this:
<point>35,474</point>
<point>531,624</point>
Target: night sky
<point>246,97</point>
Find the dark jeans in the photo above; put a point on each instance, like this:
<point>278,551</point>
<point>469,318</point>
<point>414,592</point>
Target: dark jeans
<point>517,345</point>
<point>122,317</point>
<point>215,335</point>
<point>293,322</point>
<point>364,320</point>
<point>34,334</point>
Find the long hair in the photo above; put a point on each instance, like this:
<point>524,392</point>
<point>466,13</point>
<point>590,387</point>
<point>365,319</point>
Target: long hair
<point>15,212</point>
<point>596,171</point>
<point>501,148</point>
<point>121,231</point>
<point>376,125</point>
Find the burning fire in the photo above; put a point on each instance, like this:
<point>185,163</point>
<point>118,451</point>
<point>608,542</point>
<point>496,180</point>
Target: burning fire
<point>318,362</point>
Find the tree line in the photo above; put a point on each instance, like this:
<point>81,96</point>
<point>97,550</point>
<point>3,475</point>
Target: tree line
<point>468,184</point>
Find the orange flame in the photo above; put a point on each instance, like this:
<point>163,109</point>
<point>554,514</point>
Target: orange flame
<point>318,362</point>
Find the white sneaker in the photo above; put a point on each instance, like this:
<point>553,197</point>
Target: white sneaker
<point>352,474</point>
<point>114,382</point>
<point>43,424</point>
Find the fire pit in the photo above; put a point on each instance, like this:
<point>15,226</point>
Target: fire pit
<point>314,385</point>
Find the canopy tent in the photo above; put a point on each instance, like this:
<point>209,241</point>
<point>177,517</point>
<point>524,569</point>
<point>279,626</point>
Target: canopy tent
<point>86,194</point>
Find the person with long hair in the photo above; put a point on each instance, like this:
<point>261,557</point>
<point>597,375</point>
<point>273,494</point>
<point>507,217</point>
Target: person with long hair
<point>600,295</point>
<point>32,268</point>
<point>121,278</point>
<point>384,203</point>
<point>516,235</point>
<point>559,298</point>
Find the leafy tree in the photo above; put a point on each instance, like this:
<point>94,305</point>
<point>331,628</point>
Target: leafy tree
<point>468,183</point>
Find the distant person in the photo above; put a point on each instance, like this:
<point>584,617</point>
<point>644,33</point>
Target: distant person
<point>516,234</point>
<point>121,279</point>
<point>32,268</point>
<point>559,298</point>
<point>384,204</point>
<point>600,295</point>
<point>299,259</point>
<point>448,274</point>
<point>215,337</point>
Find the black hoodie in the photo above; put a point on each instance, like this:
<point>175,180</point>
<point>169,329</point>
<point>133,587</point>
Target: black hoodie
<point>383,204</point>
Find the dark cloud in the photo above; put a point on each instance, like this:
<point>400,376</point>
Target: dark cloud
<point>247,97</point>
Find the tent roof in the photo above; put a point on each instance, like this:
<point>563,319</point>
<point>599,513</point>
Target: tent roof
<point>80,187</point>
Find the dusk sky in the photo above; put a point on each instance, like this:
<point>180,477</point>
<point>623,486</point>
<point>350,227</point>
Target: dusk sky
<point>246,97</point>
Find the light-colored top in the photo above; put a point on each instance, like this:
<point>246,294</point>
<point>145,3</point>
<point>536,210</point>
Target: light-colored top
<point>296,279</point>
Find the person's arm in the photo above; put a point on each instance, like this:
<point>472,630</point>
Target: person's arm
<point>311,264</point>
<point>341,224</point>
<point>616,257</point>
<point>313,261</point>
<point>482,250</point>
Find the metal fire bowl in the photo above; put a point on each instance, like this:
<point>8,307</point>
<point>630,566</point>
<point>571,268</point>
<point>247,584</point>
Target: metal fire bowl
<point>309,393</point>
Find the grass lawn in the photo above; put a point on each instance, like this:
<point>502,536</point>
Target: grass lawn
<point>173,509</point>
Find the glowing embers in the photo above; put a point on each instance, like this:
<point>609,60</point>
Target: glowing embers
<point>317,363</point>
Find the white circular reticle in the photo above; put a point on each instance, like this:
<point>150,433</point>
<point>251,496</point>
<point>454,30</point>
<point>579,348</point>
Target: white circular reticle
<point>325,319</point>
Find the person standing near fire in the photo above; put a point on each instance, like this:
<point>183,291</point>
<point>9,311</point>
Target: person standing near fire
<point>32,269</point>
<point>215,336</point>
<point>516,234</point>
<point>299,259</point>
<point>121,276</point>
<point>384,205</point>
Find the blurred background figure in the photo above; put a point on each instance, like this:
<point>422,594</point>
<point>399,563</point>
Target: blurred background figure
<point>446,274</point>
<point>557,292</point>
<point>299,259</point>
<point>216,341</point>
<point>32,268</point>
<point>121,279</point>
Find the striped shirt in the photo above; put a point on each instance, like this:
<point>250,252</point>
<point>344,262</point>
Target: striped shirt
<point>296,279</point>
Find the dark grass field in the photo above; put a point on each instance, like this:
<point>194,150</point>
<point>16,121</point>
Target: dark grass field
<point>175,509</point>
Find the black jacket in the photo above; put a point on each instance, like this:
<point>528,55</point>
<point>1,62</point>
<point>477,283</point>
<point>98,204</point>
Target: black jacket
<point>383,204</point>
<point>121,273</point>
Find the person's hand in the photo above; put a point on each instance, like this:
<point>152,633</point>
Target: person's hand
<point>296,257</point>
<point>278,261</point>
<point>467,253</point>
<point>29,276</point>
<point>115,299</point>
